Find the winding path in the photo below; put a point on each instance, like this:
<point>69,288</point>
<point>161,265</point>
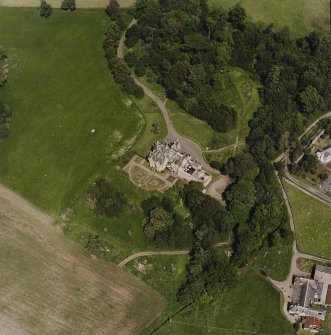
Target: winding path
<point>285,287</point>
<point>325,116</point>
<point>163,253</point>
<point>187,144</point>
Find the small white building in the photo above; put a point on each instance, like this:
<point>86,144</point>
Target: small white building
<point>324,156</point>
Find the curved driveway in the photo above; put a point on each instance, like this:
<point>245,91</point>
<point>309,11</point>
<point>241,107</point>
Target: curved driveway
<point>285,287</point>
<point>187,144</point>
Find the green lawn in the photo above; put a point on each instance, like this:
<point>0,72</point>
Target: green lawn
<point>223,155</point>
<point>274,261</point>
<point>190,126</point>
<point>301,16</point>
<point>312,221</point>
<point>327,323</point>
<point>59,89</point>
<point>252,306</point>
<point>238,90</point>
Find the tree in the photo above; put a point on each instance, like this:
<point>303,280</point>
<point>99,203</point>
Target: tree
<point>140,70</point>
<point>68,5</point>
<point>131,59</point>
<point>237,16</point>
<point>113,10</point>
<point>45,9</point>
<point>310,101</point>
<point>242,166</point>
<point>106,199</point>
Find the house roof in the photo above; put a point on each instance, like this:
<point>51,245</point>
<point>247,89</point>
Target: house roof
<point>312,322</point>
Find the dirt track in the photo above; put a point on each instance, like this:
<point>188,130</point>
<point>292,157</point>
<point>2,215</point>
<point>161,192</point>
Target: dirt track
<point>50,285</point>
<point>57,3</point>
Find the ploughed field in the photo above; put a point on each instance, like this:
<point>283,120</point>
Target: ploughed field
<point>50,285</point>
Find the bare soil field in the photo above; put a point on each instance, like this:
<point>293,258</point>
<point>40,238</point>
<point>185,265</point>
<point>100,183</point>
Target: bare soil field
<point>49,285</point>
<point>57,3</point>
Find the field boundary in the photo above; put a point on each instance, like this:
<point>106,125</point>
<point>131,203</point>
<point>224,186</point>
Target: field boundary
<point>57,3</point>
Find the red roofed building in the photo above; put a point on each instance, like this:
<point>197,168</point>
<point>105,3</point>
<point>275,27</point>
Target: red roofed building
<point>312,324</point>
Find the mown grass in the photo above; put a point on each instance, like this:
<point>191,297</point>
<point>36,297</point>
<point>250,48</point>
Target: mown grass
<point>224,154</point>
<point>252,306</point>
<point>312,221</point>
<point>59,89</point>
<point>238,90</point>
<point>301,16</point>
<point>274,261</point>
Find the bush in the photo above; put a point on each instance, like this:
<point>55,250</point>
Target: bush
<point>45,9</point>
<point>131,59</point>
<point>4,131</point>
<point>3,55</point>
<point>140,70</point>
<point>133,34</point>
<point>113,10</point>
<point>106,199</point>
<point>68,5</point>
<point>139,93</point>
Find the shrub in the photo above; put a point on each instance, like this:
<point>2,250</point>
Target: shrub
<point>140,70</point>
<point>68,5</point>
<point>45,9</point>
<point>113,10</point>
<point>4,131</point>
<point>131,59</point>
<point>106,199</point>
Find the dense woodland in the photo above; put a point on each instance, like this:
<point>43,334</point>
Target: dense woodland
<point>118,67</point>
<point>187,44</point>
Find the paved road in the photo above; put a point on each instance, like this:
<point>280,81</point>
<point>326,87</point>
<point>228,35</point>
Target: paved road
<point>187,144</point>
<point>163,253</point>
<point>285,287</point>
<point>309,190</point>
<point>325,116</point>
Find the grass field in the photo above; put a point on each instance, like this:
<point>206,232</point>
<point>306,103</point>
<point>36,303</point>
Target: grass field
<point>301,16</point>
<point>252,306</point>
<point>49,285</point>
<point>59,90</point>
<point>274,261</point>
<point>312,221</point>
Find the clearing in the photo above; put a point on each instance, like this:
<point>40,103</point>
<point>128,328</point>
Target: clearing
<point>252,306</point>
<point>59,89</point>
<point>49,285</point>
<point>312,221</point>
<point>238,91</point>
<point>301,16</point>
